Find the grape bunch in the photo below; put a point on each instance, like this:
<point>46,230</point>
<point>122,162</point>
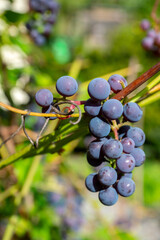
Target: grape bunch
<point>152,41</point>
<point>44,15</point>
<point>65,86</point>
<point>116,144</point>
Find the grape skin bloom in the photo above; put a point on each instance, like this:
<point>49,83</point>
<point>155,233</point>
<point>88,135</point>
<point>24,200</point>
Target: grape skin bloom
<point>107,176</point>
<point>125,186</point>
<point>92,183</point>
<point>99,89</point>
<point>137,135</point>
<point>44,97</point>
<point>108,196</point>
<point>125,163</point>
<point>112,149</point>
<point>139,156</point>
<point>115,82</point>
<point>132,112</point>
<point>66,86</point>
<point>92,107</point>
<point>99,127</point>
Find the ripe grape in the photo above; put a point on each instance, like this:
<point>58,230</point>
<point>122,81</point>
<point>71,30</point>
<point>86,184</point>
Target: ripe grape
<point>66,86</point>
<point>137,135</point>
<point>99,89</point>
<point>92,183</point>
<point>92,107</point>
<point>125,163</point>
<point>115,82</point>
<point>132,112</point>
<point>44,97</point>
<point>99,127</point>
<point>93,161</point>
<point>148,43</point>
<point>95,148</point>
<point>122,132</point>
<point>151,33</point>
<point>112,109</point>
<point>145,24</point>
<point>139,156</point>
<point>107,176</point>
<point>125,186</point>
<point>108,196</point>
<point>112,149</point>
<point>128,144</point>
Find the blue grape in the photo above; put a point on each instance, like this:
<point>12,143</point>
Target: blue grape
<point>99,127</point>
<point>115,82</point>
<point>132,112</point>
<point>48,110</point>
<point>129,175</point>
<point>137,135</point>
<point>139,156</point>
<point>122,132</point>
<point>148,43</point>
<point>112,149</point>
<point>44,97</point>
<point>93,161</point>
<point>107,176</point>
<point>92,183</point>
<point>112,109</point>
<point>108,196</point>
<point>66,86</point>
<point>145,24</point>
<point>92,107</point>
<point>95,148</point>
<point>125,163</point>
<point>125,186</point>
<point>128,144</point>
<point>99,89</point>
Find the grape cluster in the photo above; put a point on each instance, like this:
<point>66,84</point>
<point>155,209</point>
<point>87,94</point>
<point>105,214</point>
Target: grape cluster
<point>116,143</point>
<point>44,15</point>
<point>65,85</point>
<point>152,41</point>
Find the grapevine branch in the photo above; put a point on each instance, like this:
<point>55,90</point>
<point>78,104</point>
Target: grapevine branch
<point>154,14</point>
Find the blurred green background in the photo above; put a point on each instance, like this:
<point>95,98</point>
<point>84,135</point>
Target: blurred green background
<point>44,197</point>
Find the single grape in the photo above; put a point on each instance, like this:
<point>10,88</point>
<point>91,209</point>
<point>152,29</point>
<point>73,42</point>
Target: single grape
<point>122,132</point>
<point>132,112</point>
<point>112,149</point>
<point>139,156</point>
<point>40,40</point>
<point>125,186</point>
<point>92,107</point>
<point>152,34</point>
<point>145,24</point>
<point>137,135</point>
<point>48,110</point>
<point>125,163</point>
<point>92,183</point>
<point>112,109</point>
<point>115,82</point>
<point>44,97</point>
<point>93,161</point>
<point>108,196</point>
<point>66,86</point>
<point>99,89</point>
<point>95,148</point>
<point>107,176</point>
<point>148,43</point>
<point>99,127</point>
<point>128,144</point>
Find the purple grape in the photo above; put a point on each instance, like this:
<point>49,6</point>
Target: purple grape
<point>129,175</point>
<point>92,183</point>
<point>145,24</point>
<point>51,18</point>
<point>112,109</point>
<point>137,135</point>
<point>108,196</point>
<point>93,161</point>
<point>92,107</point>
<point>107,176</point>
<point>40,40</point>
<point>44,97</point>
<point>128,145</point>
<point>47,29</point>
<point>112,149</point>
<point>48,110</point>
<point>132,112</point>
<point>125,163</point>
<point>95,148</point>
<point>115,82</point>
<point>66,86</point>
<point>122,132</point>
<point>99,89</point>
<point>99,127</point>
<point>125,186</point>
<point>139,156</point>
<point>148,43</point>
<point>152,33</point>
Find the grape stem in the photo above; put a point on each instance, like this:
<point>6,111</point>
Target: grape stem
<point>114,128</point>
